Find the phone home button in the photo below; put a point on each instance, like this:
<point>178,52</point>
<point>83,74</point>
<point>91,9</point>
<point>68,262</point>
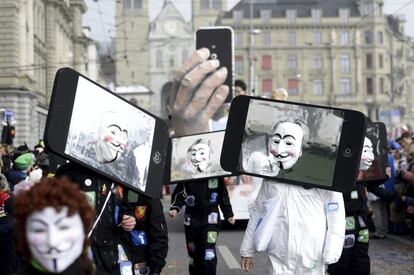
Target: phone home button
<point>347,152</point>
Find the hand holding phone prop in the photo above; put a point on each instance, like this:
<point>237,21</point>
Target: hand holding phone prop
<point>302,144</point>
<point>92,126</point>
<point>374,159</point>
<point>196,157</point>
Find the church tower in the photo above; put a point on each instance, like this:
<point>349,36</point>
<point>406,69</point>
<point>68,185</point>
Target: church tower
<point>132,53</point>
<point>206,12</point>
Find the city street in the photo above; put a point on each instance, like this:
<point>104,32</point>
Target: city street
<point>393,255</point>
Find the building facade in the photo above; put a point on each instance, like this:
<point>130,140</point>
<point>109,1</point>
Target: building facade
<point>36,38</point>
<point>170,40</point>
<point>342,53</point>
<point>149,53</point>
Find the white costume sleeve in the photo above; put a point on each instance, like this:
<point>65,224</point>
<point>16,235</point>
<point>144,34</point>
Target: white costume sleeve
<point>247,246</point>
<point>335,235</point>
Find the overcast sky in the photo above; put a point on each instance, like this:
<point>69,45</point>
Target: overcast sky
<point>103,25</point>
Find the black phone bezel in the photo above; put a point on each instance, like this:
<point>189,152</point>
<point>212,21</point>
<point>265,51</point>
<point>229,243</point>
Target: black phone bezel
<point>346,167</point>
<point>230,77</point>
<point>58,122</point>
<point>383,160</point>
<point>197,179</point>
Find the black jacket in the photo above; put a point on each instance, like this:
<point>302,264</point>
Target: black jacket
<point>202,198</point>
<point>151,225</point>
<point>104,239</point>
<point>356,200</point>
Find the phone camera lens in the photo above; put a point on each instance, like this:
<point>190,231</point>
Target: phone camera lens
<point>347,152</point>
<point>213,56</point>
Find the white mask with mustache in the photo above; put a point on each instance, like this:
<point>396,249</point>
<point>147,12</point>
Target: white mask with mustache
<point>367,156</point>
<point>285,146</point>
<point>55,239</point>
<point>199,156</point>
<point>112,138</point>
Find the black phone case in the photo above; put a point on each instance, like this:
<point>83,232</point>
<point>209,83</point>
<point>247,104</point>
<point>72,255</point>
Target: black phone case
<point>348,152</point>
<point>58,123</point>
<point>377,132</point>
<point>219,40</point>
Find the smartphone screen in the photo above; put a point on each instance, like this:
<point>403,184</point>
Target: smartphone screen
<point>197,157</point>
<point>374,157</point>
<point>219,40</point>
<point>110,135</point>
<point>294,142</point>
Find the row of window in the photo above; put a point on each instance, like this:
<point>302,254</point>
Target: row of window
<point>210,4</point>
<point>159,60</point>
<point>317,62</point>
<point>132,4</point>
<point>316,14</point>
<point>318,87</point>
<point>318,39</point>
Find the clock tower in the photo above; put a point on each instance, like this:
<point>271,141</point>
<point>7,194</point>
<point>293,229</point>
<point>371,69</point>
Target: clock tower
<point>206,12</point>
<point>132,52</point>
<point>170,40</point>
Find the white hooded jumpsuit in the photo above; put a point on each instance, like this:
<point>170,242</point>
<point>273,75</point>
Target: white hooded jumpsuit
<point>306,230</point>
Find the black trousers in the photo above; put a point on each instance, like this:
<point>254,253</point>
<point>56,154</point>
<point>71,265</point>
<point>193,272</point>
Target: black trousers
<point>354,259</point>
<point>9,259</point>
<point>201,247</point>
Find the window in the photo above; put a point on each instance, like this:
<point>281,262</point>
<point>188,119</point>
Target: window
<point>238,16</point>
<point>138,4</point>
<point>317,62</point>
<point>370,86</point>
<point>344,16</point>
<point>316,15</point>
<point>345,86</point>
<point>126,4</point>
<point>267,85</point>
<point>345,64</point>
<point>204,4</point>
<point>184,55</point>
<point>266,62</point>
<point>291,16</point>
<point>292,62</point>
<point>172,61</point>
<point>317,87</point>
<point>381,85</point>
<point>266,16</point>
<point>380,38</point>
<point>266,39</point>
<point>381,61</point>
<point>239,39</point>
<point>368,9</point>
<point>216,4</point>
<point>293,86</point>
<point>368,37</point>
<point>344,38</point>
<point>158,59</point>
<point>292,38</point>
<point>317,38</point>
<point>369,61</point>
<point>238,64</point>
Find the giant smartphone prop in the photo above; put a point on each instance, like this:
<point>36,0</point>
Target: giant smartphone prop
<point>196,157</point>
<point>219,40</point>
<point>98,129</point>
<point>374,157</point>
<point>302,144</point>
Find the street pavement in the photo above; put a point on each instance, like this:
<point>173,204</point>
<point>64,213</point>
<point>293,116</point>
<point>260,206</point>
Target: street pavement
<point>391,256</point>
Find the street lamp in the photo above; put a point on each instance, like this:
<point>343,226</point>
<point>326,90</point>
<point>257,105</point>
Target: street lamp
<point>252,33</point>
